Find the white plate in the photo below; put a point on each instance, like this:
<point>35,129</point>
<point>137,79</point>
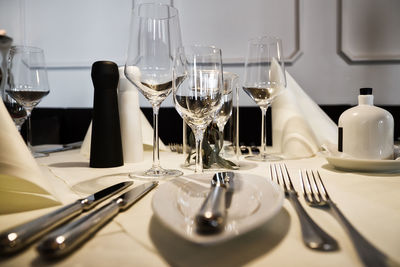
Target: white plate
<point>255,201</point>
<point>364,165</point>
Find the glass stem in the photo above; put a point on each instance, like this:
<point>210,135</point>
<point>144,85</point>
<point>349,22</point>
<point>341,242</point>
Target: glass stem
<point>199,133</point>
<point>156,150</point>
<point>29,130</point>
<point>263,131</point>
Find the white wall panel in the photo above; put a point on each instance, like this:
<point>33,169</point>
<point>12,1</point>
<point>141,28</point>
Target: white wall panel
<point>75,33</point>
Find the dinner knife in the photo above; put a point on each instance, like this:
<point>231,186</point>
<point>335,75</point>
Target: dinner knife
<point>65,239</point>
<point>14,239</point>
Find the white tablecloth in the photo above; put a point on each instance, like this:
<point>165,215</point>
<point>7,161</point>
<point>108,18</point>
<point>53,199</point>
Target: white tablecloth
<point>136,238</point>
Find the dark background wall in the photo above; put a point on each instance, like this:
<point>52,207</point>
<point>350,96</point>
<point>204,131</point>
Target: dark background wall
<point>61,126</point>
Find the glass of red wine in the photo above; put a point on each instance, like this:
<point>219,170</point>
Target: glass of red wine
<point>27,81</point>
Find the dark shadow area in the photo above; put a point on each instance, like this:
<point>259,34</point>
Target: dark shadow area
<point>235,252</point>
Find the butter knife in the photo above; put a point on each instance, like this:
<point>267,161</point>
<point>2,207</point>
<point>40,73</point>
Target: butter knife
<point>65,239</point>
<point>14,239</point>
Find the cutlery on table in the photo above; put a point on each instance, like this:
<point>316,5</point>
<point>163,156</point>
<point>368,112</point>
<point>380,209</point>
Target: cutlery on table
<point>16,238</point>
<point>211,217</point>
<point>65,239</point>
<point>315,195</point>
<point>63,147</point>
<point>314,236</point>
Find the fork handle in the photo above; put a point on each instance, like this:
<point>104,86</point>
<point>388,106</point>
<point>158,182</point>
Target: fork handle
<point>314,236</point>
<point>369,254</point>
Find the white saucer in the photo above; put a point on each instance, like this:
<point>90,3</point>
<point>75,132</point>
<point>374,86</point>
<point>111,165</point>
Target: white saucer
<point>255,201</point>
<point>364,165</point>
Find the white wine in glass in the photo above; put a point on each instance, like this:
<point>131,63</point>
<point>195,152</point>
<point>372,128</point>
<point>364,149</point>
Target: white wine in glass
<point>155,35</point>
<point>264,79</point>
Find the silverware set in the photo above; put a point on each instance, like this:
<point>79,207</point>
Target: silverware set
<point>66,238</point>
<point>316,196</point>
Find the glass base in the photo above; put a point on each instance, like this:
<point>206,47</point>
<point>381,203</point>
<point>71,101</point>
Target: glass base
<point>264,157</point>
<point>155,174</point>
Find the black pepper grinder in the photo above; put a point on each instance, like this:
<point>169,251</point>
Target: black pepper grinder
<point>106,145</point>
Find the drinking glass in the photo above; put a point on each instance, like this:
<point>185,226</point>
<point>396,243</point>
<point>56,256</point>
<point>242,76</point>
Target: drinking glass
<point>264,79</point>
<point>155,34</point>
<point>27,81</point>
<point>197,89</point>
<point>16,111</point>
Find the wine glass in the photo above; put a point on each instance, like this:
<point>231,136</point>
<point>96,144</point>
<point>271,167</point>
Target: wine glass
<point>197,89</point>
<point>16,111</point>
<point>27,81</point>
<point>155,34</point>
<point>264,79</point>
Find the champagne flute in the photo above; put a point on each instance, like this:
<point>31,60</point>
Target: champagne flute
<point>264,79</point>
<point>155,34</point>
<point>197,89</point>
<point>28,82</point>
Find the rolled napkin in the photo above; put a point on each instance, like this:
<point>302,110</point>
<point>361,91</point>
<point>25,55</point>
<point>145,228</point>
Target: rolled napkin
<point>130,118</point>
<point>22,185</point>
<point>136,131</point>
<point>300,128</point>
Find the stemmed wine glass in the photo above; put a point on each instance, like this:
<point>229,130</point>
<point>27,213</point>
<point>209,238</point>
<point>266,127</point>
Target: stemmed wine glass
<point>155,35</point>
<point>197,89</point>
<point>16,111</point>
<point>27,81</point>
<point>264,79</point>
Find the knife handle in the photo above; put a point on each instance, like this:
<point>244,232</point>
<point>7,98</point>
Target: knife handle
<point>212,215</point>
<point>65,239</point>
<point>16,238</point>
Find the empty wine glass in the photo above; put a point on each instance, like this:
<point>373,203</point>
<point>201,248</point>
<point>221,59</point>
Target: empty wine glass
<point>264,79</point>
<point>27,81</point>
<point>197,89</point>
<point>155,34</point>
<point>231,83</point>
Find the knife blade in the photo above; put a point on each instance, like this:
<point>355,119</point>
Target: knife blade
<point>16,238</point>
<point>65,239</point>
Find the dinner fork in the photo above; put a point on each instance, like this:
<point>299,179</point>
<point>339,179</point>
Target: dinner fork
<point>315,195</point>
<point>313,236</point>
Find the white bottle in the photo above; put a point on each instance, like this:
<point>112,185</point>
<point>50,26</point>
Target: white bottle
<point>366,131</point>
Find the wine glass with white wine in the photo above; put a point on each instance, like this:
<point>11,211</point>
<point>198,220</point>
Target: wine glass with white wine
<point>155,35</point>
<point>27,82</point>
<point>264,79</point>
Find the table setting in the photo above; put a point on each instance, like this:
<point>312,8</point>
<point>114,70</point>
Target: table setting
<point>322,195</point>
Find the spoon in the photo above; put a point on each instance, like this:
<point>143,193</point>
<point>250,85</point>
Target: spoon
<point>211,217</point>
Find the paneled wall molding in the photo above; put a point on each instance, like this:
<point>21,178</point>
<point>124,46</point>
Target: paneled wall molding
<point>369,31</point>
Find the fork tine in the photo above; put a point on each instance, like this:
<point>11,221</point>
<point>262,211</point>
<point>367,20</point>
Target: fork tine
<point>312,187</point>
<point>325,193</point>
<point>303,185</point>
<point>316,186</point>
<point>288,176</point>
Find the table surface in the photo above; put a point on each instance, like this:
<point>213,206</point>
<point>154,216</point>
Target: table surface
<point>371,201</point>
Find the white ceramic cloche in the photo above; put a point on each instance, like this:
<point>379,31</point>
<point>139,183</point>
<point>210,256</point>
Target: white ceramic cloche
<point>366,131</point>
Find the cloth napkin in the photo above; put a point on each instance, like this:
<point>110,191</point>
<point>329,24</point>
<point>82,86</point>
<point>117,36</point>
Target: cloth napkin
<point>136,131</point>
<point>300,128</point>
<point>22,184</point>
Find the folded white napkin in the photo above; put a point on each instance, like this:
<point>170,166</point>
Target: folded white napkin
<point>22,184</point>
<point>300,127</point>
<point>136,131</point>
